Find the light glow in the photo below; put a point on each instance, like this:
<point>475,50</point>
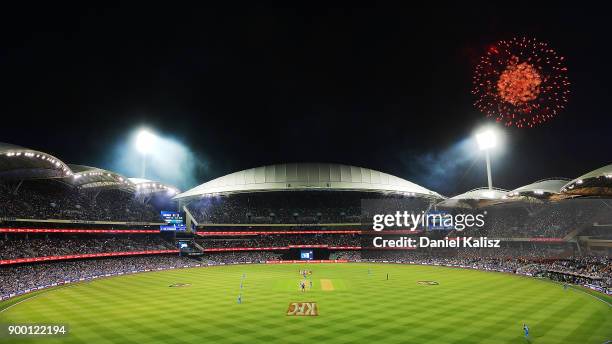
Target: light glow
<point>486,139</point>
<point>144,141</point>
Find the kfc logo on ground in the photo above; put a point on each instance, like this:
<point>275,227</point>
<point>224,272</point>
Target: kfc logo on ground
<point>303,309</point>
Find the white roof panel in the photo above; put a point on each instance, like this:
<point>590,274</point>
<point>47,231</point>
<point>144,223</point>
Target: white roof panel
<point>307,176</point>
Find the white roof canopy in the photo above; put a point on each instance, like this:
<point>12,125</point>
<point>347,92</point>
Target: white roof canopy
<point>24,163</point>
<point>147,186</point>
<point>595,183</point>
<point>602,172</point>
<point>307,176</point>
<point>87,177</point>
<point>546,186</point>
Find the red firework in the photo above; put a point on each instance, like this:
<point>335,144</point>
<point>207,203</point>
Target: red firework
<point>521,82</point>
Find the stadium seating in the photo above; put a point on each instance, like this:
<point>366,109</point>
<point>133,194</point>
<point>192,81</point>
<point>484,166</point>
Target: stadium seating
<point>20,246</point>
<point>535,234</point>
<point>16,279</point>
<point>289,207</point>
<point>52,200</point>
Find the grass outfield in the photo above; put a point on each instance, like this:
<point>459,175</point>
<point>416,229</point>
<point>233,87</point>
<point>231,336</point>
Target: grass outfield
<point>466,307</point>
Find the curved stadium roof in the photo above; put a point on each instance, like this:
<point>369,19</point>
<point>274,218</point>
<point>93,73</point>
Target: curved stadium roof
<point>146,186</point>
<point>18,163</point>
<point>540,188</point>
<point>595,183</point>
<point>307,176</point>
<point>475,198</point>
<point>87,177</point>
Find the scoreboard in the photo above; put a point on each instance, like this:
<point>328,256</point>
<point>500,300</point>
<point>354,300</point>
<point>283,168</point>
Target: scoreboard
<point>172,217</point>
<point>306,255</point>
<point>174,221</point>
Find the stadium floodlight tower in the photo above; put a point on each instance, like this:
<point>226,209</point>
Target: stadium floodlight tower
<point>144,145</point>
<point>487,139</point>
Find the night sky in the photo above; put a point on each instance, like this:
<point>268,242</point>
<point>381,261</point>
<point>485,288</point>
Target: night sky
<point>383,88</point>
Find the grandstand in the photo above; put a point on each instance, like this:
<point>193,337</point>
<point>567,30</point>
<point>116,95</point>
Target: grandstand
<point>299,193</point>
<point>77,214</point>
<point>36,187</point>
<point>320,202</point>
<point>62,224</point>
<point>51,211</point>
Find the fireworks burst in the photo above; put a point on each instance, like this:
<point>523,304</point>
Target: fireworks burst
<point>521,82</point>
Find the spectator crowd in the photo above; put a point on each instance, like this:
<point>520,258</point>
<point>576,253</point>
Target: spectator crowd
<point>48,201</point>
<point>20,278</point>
<point>19,246</point>
<point>595,272</point>
<point>303,207</point>
<point>282,240</point>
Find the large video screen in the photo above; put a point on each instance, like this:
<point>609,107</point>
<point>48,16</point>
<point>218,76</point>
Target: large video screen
<point>172,217</point>
<point>306,255</point>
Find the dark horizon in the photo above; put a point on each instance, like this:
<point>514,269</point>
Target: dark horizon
<point>381,88</point>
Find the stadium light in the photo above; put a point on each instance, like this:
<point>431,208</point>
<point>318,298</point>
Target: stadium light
<point>144,145</point>
<point>486,140</point>
<point>144,141</point>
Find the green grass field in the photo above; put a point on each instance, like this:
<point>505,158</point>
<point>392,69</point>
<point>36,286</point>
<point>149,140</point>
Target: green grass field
<point>466,307</point>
